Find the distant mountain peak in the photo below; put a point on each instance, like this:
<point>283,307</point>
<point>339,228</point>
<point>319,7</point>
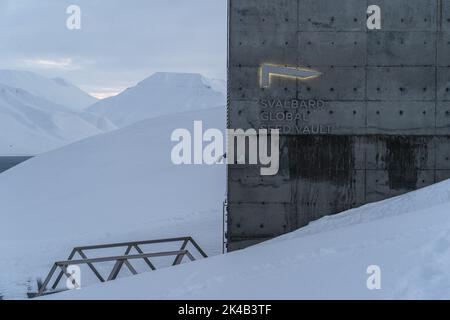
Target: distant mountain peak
<point>62,82</point>
<point>188,80</point>
<point>175,78</point>
<point>175,75</point>
<point>57,90</point>
<point>162,93</point>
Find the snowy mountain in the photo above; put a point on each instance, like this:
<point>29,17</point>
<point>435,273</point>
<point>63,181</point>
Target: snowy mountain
<point>58,91</point>
<point>116,186</point>
<point>218,85</point>
<point>161,94</point>
<point>406,239</point>
<point>39,114</point>
<point>31,124</point>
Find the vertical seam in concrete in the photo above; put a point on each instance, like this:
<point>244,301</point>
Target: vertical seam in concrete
<point>366,69</point>
<point>226,226</point>
<point>294,184</point>
<point>436,46</point>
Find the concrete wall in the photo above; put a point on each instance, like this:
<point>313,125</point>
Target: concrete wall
<point>376,124</point>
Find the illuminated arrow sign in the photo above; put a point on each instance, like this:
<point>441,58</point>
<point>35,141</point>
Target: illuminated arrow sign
<point>269,70</point>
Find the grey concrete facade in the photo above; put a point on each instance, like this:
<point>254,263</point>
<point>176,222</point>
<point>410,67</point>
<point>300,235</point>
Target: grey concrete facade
<point>374,125</point>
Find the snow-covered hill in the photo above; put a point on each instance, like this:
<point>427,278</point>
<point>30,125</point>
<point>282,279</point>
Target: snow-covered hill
<point>161,94</point>
<point>407,238</point>
<point>117,186</point>
<point>31,124</point>
<point>39,114</point>
<point>58,91</point>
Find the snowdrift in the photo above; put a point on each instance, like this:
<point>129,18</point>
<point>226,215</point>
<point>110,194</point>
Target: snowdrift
<point>118,186</point>
<point>407,237</point>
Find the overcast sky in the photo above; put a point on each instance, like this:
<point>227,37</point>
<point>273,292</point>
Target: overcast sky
<point>120,42</point>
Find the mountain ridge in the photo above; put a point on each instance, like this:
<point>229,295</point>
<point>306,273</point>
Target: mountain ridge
<point>57,90</point>
<point>32,124</point>
<point>161,94</point>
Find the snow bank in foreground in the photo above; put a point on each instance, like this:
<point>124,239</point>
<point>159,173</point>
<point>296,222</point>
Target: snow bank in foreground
<point>408,237</point>
<point>118,186</point>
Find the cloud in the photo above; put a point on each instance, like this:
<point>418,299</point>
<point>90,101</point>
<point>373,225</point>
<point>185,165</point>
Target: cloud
<point>120,42</point>
<point>64,63</point>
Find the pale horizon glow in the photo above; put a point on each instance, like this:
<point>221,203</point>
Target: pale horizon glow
<point>105,94</point>
<point>64,63</point>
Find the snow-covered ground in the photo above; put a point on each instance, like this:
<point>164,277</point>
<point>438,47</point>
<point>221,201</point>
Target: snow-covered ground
<point>117,186</point>
<point>408,237</point>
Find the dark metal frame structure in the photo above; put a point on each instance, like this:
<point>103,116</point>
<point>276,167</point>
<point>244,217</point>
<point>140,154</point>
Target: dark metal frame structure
<point>119,260</point>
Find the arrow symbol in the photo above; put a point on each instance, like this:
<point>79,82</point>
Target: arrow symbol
<point>269,70</point>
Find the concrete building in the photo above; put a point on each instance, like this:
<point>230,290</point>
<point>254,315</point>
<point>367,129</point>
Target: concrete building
<point>373,125</point>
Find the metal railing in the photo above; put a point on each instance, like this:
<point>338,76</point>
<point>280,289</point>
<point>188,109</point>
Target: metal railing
<point>120,260</point>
